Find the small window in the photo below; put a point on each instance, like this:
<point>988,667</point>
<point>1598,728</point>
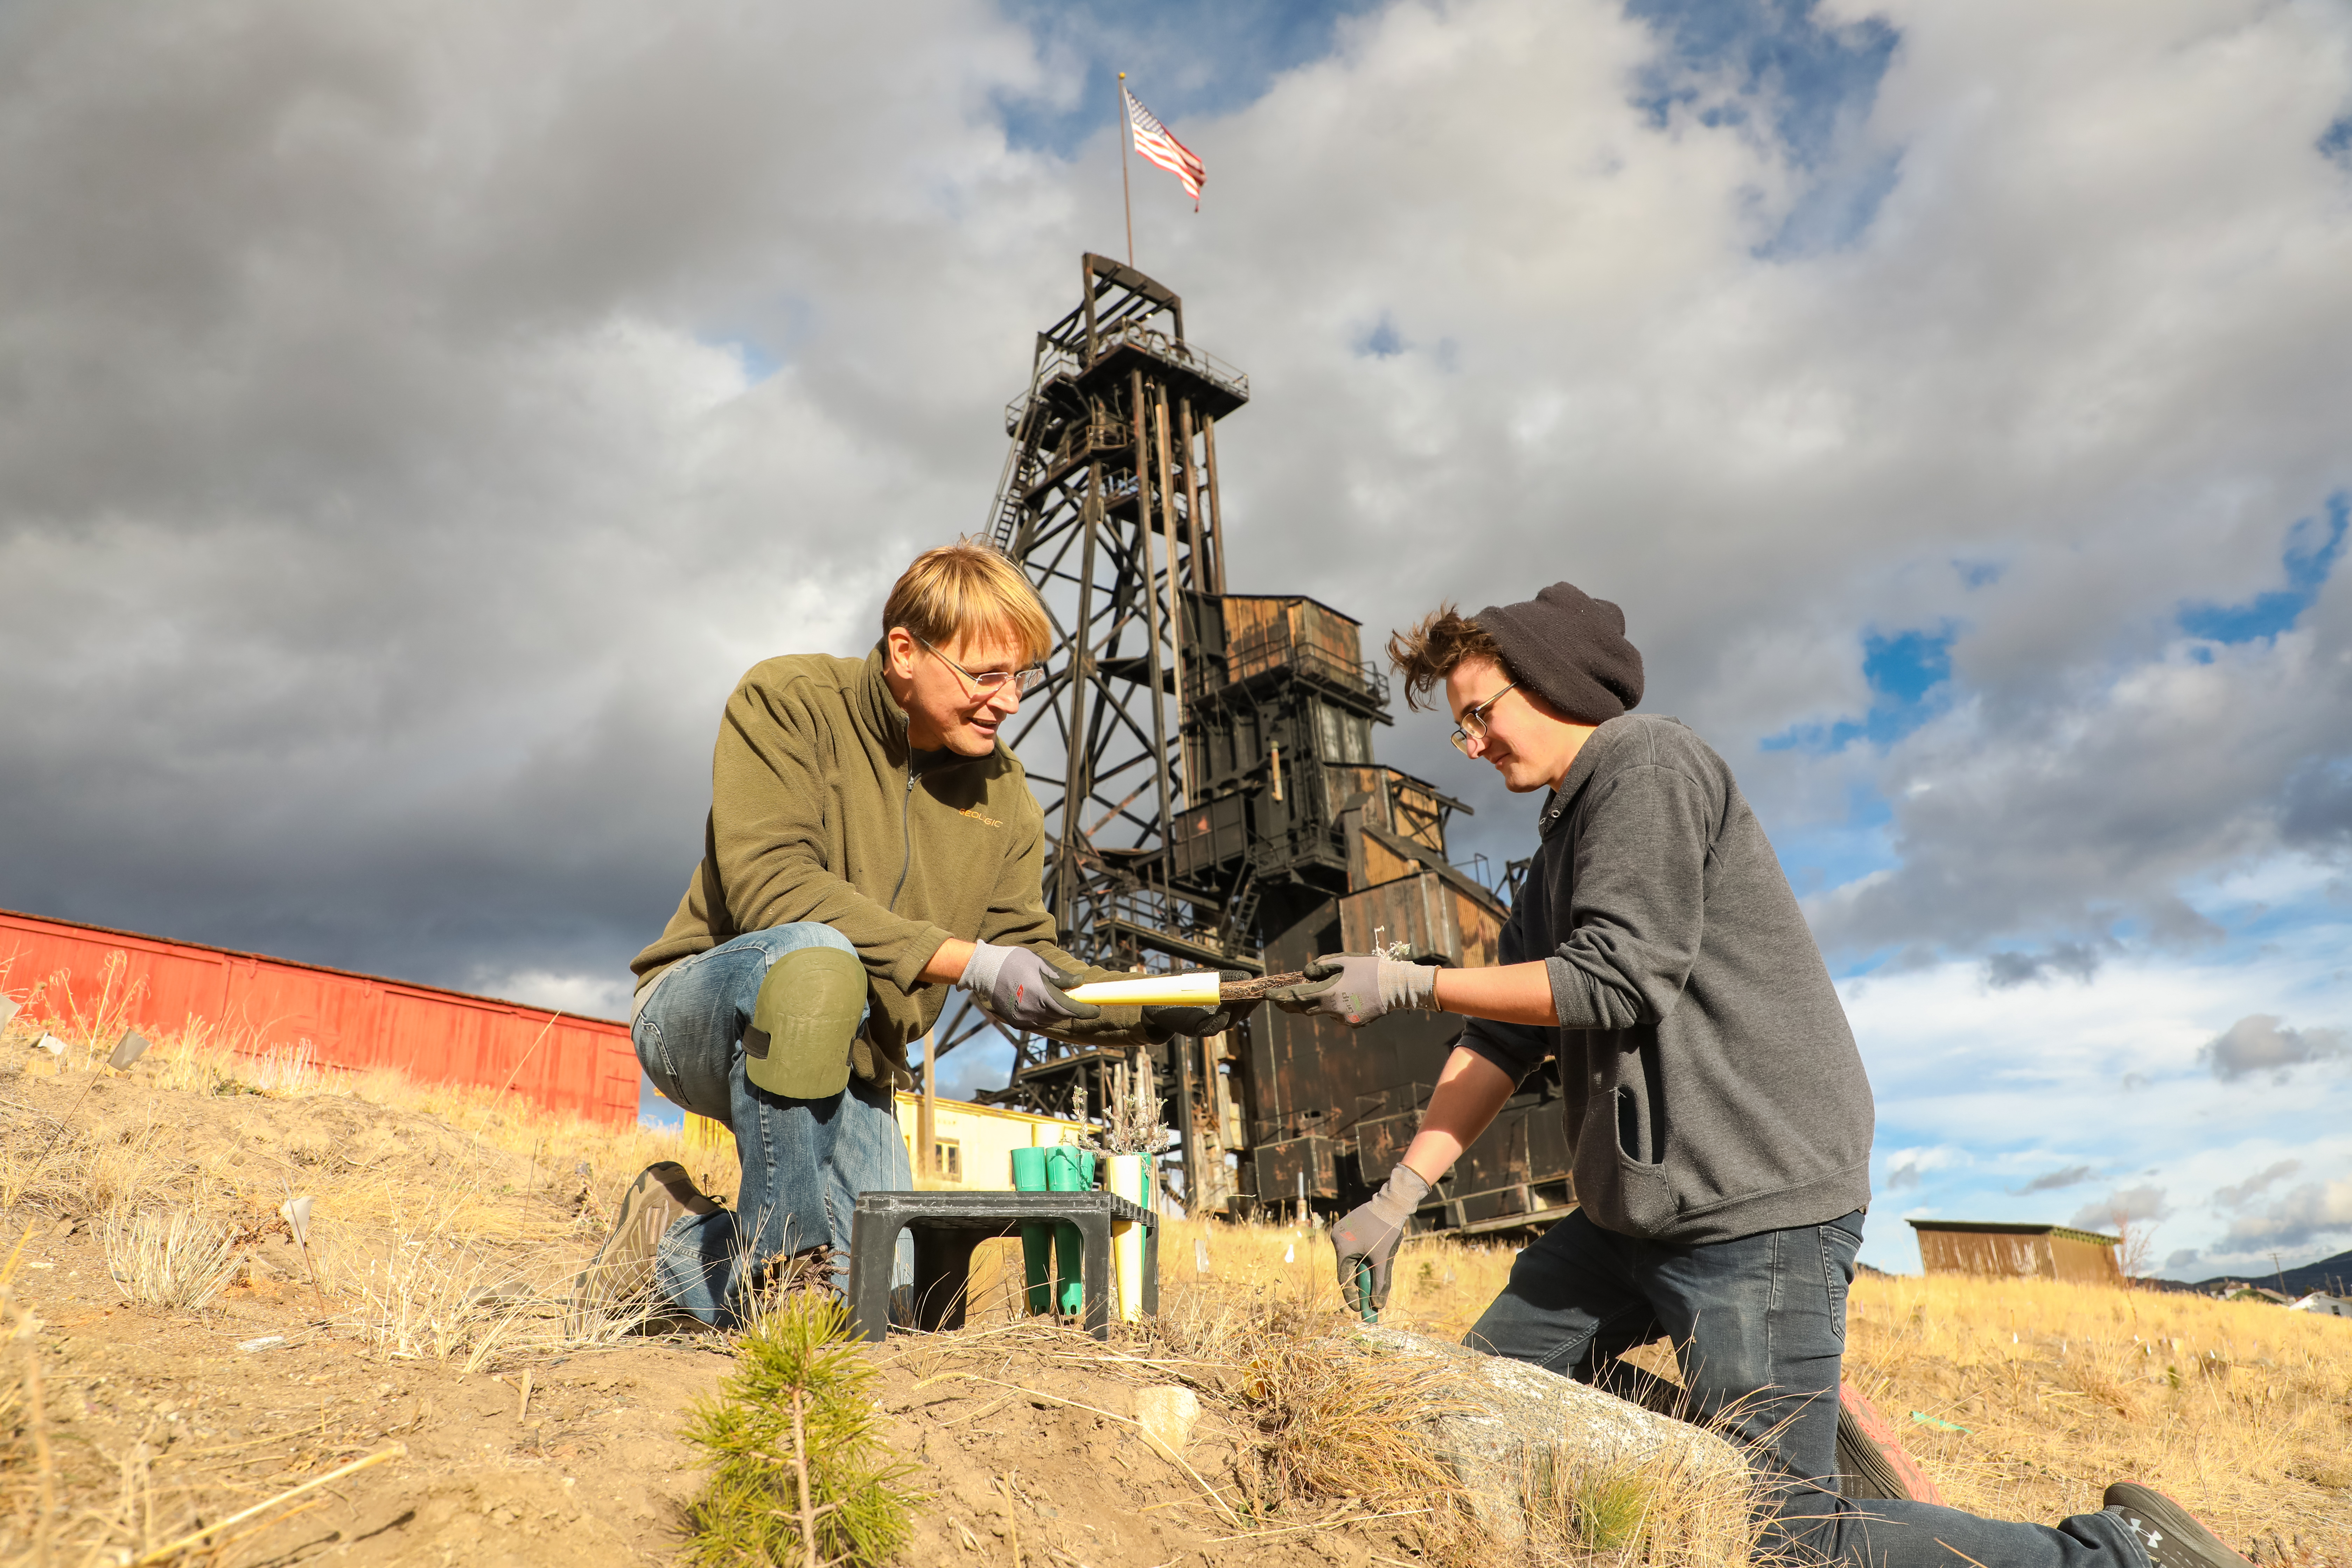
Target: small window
<point>947,1158</point>
<point>1347,737</point>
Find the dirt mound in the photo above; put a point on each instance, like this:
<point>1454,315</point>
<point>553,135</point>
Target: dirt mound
<point>425,1316</point>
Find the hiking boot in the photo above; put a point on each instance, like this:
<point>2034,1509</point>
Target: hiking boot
<point>2171,1535</point>
<point>622,1273</point>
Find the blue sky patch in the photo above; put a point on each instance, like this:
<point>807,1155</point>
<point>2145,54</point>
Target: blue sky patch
<point>1980,574</point>
<point>1910,675</point>
<point>1834,211</point>
<point>2308,559</point>
<point>1186,60</point>
<point>2335,141</point>
<point>758,364</point>
<point>1823,855</point>
<point>1382,341</point>
<point>1813,76</point>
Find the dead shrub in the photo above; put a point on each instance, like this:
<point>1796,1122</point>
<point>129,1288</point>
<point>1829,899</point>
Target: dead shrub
<point>177,1259</point>
<point>1333,1419</point>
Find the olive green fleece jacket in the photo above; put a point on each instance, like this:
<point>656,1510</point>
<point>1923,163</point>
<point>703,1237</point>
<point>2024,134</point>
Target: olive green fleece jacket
<point>820,811</point>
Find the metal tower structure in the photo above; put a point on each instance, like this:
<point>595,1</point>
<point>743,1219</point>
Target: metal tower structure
<point>1109,502</point>
<point>1204,761</point>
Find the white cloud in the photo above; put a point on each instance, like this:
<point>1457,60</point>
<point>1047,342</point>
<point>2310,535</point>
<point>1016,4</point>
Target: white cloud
<point>2311,1215</point>
<point>2072,1078</point>
<point>579,996</point>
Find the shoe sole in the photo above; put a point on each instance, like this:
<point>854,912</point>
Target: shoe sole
<point>2156,1520</point>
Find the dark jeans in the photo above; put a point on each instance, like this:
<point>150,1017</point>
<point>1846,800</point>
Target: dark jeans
<point>1758,1328</point>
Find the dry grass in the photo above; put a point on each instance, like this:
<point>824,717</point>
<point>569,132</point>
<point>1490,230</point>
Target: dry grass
<point>2240,1409</point>
<point>1333,1421</point>
<point>448,1266</point>
<point>28,1479</point>
<point>176,1259</point>
<point>1592,1510</point>
<point>1267,1335</point>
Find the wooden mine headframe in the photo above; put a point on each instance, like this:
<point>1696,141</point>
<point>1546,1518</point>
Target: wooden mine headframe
<point>1109,502</point>
<point>1204,763</point>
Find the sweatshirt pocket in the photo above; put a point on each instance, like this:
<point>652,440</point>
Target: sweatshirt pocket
<point>1632,1144</point>
<point>1646,1202</point>
<point>1624,1191</point>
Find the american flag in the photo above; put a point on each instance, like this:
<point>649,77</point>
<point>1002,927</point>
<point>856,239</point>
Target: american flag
<point>1151,140</point>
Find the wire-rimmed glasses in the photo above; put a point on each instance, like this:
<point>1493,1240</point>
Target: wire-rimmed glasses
<point>1473,722</point>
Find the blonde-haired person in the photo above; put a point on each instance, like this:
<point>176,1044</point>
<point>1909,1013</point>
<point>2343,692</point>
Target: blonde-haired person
<point>870,844</point>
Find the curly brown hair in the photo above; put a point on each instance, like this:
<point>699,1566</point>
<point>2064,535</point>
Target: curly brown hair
<point>1444,640</point>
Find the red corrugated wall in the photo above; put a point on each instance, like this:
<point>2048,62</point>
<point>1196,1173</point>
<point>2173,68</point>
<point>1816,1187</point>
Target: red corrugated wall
<point>581,1064</point>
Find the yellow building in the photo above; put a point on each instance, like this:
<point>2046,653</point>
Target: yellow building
<point>972,1144</point>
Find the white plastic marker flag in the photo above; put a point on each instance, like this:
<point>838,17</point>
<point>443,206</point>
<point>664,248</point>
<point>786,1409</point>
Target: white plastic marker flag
<point>1153,140</point>
<point>128,1049</point>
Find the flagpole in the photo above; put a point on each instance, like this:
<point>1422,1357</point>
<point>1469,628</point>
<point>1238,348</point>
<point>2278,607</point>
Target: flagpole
<point>1126,195</point>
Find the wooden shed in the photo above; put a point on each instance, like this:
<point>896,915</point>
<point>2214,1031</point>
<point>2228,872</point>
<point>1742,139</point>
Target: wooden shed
<point>1996,1252</point>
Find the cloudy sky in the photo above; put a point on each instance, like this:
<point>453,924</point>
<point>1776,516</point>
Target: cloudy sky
<point>413,417</point>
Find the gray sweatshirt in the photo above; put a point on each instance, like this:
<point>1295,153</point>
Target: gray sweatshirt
<point>1712,1087</point>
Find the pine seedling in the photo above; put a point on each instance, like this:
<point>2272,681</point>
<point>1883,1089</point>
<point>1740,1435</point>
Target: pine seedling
<point>801,1475</point>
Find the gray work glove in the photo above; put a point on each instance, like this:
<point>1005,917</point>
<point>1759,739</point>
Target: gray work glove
<point>1357,987</point>
<point>1016,987</point>
<point>1162,1022</point>
<point>1370,1235</point>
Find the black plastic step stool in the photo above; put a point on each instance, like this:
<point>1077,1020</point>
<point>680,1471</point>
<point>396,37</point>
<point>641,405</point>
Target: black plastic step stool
<point>948,1226</point>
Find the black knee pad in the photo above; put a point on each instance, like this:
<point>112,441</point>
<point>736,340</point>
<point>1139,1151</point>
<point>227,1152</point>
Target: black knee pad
<point>804,1022</point>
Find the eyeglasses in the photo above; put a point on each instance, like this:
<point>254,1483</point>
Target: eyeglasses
<point>991,682</point>
<point>1473,722</point>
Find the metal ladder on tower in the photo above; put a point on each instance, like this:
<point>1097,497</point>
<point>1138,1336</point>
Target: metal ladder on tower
<point>1241,907</point>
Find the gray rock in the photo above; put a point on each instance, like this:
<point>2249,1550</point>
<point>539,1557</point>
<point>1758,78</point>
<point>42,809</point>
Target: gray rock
<point>1526,1421</point>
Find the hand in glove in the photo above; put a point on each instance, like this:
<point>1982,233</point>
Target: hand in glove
<point>1357,987</point>
<point>1016,987</point>
<point>1165,1021</point>
<point>1369,1235</point>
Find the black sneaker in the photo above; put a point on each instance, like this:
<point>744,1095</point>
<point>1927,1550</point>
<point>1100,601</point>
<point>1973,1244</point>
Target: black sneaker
<point>621,1275</point>
<point>2171,1535</point>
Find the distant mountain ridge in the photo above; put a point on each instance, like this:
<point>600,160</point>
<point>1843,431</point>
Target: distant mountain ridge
<point>2333,1275</point>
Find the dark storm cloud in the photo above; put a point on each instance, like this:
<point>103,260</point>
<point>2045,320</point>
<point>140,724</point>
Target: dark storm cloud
<point>412,420</point>
<point>2053,1181</point>
<point>2124,1205</point>
<point>2239,1194</point>
<point>2083,807</point>
<point>384,510</point>
<point>2261,1043</point>
<point>2075,960</point>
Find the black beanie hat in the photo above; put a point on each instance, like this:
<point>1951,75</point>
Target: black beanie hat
<point>1572,647</point>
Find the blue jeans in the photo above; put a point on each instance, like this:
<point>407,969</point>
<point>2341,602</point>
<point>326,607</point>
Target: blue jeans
<point>804,1161</point>
<point>1758,1329</point>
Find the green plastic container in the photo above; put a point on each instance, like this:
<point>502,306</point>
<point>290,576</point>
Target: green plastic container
<point>1036,1240</point>
<point>1069,1170</point>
